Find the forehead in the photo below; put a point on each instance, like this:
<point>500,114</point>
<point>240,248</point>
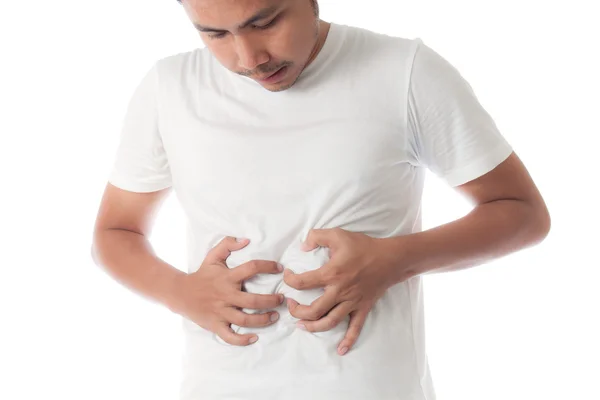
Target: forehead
<point>226,13</point>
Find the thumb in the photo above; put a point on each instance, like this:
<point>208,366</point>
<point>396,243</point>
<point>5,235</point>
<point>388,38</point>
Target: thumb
<point>223,249</point>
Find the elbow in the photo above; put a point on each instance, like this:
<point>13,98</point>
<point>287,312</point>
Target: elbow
<point>541,224</point>
<point>94,250</point>
<point>93,254</point>
<point>546,224</point>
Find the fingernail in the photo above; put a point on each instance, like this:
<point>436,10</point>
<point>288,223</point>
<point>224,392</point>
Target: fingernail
<point>279,267</point>
<point>253,339</point>
<point>239,240</point>
<point>301,326</point>
<point>290,302</point>
<point>343,350</point>
<point>289,271</point>
<point>281,298</point>
<point>274,317</point>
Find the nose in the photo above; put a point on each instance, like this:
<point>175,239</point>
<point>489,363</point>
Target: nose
<point>250,52</point>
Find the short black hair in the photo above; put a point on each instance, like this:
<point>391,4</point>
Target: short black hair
<point>314,2</point>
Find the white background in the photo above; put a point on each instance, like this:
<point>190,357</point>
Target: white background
<point>522,327</point>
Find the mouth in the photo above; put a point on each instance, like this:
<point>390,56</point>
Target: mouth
<point>274,76</point>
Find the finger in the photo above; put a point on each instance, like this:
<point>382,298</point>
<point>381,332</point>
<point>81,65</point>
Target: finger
<point>305,280</point>
<point>256,301</point>
<point>357,321</point>
<point>319,238</point>
<point>223,249</point>
<point>331,320</point>
<point>247,270</point>
<point>317,308</point>
<point>229,336</point>
<point>241,318</point>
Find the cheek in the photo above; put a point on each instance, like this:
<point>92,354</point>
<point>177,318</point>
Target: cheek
<point>293,42</point>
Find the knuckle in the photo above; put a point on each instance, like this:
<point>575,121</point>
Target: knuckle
<point>264,301</point>
<point>230,340</point>
<point>239,340</point>
<point>214,327</point>
<point>314,315</point>
<point>218,305</point>
<point>332,323</point>
<point>275,301</point>
<point>235,319</point>
<point>257,320</point>
<point>245,320</point>
<point>293,313</point>
<point>253,303</point>
<point>329,274</point>
<point>228,277</point>
<point>253,267</point>
<point>265,319</point>
<point>225,337</point>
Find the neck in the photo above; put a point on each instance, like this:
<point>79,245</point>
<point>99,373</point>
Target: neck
<point>323,30</point>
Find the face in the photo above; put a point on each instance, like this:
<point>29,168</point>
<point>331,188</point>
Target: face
<point>274,39</point>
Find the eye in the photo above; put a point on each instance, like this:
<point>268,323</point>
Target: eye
<point>270,24</point>
<point>219,35</point>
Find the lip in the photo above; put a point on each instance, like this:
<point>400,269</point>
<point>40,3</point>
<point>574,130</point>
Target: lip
<point>273,77</point>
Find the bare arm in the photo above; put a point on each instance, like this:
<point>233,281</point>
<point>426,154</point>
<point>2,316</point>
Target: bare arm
<point>120,245</point>
<point>509,215</point>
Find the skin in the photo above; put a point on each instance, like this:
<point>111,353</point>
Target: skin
<point>290,34</point>
<point>509,213</point>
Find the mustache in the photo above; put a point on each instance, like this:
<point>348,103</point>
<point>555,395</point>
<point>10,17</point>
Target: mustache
<point>263,71</point>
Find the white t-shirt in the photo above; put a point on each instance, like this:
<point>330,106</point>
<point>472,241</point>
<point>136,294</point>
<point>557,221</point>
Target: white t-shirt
<point>347,146</point>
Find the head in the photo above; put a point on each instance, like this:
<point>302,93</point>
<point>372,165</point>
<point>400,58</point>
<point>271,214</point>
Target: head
<point>257,38</point>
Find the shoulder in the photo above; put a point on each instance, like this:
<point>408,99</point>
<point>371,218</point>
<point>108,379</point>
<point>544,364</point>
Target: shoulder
<point>180,66</point>
<point>366,40</point>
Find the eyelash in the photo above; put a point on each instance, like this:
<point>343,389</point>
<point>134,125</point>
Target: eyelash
<point>270,24</point>
<point>264,27</point>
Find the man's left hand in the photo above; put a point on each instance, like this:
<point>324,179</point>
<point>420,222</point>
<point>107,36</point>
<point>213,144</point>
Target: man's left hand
<point>358,273</point>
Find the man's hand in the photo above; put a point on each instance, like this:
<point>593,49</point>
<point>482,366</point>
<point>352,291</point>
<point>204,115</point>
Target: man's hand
<point>212,296</point>
<point>355,277</point>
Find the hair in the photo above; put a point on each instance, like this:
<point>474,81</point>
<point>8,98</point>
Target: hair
<point>315,6</point>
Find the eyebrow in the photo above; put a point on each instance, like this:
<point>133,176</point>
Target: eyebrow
<point>264,13</point>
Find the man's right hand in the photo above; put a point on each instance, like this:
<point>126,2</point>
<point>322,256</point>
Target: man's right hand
<point>212,297</point>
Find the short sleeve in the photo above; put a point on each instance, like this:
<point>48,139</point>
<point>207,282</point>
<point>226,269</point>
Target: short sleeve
<point>141,164</point>
<point>449,131</point>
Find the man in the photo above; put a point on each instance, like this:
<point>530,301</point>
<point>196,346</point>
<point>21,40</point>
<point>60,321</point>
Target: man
<point>294,142</point>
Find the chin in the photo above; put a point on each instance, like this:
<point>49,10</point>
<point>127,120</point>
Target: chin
<point>287,83</point>
<point>280,88</point>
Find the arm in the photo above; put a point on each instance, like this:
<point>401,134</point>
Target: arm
<point>509,215</point>
<point>122,248</point>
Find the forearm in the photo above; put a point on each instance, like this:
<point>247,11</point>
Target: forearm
<point>129,258</point>
<point>489,231</point>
